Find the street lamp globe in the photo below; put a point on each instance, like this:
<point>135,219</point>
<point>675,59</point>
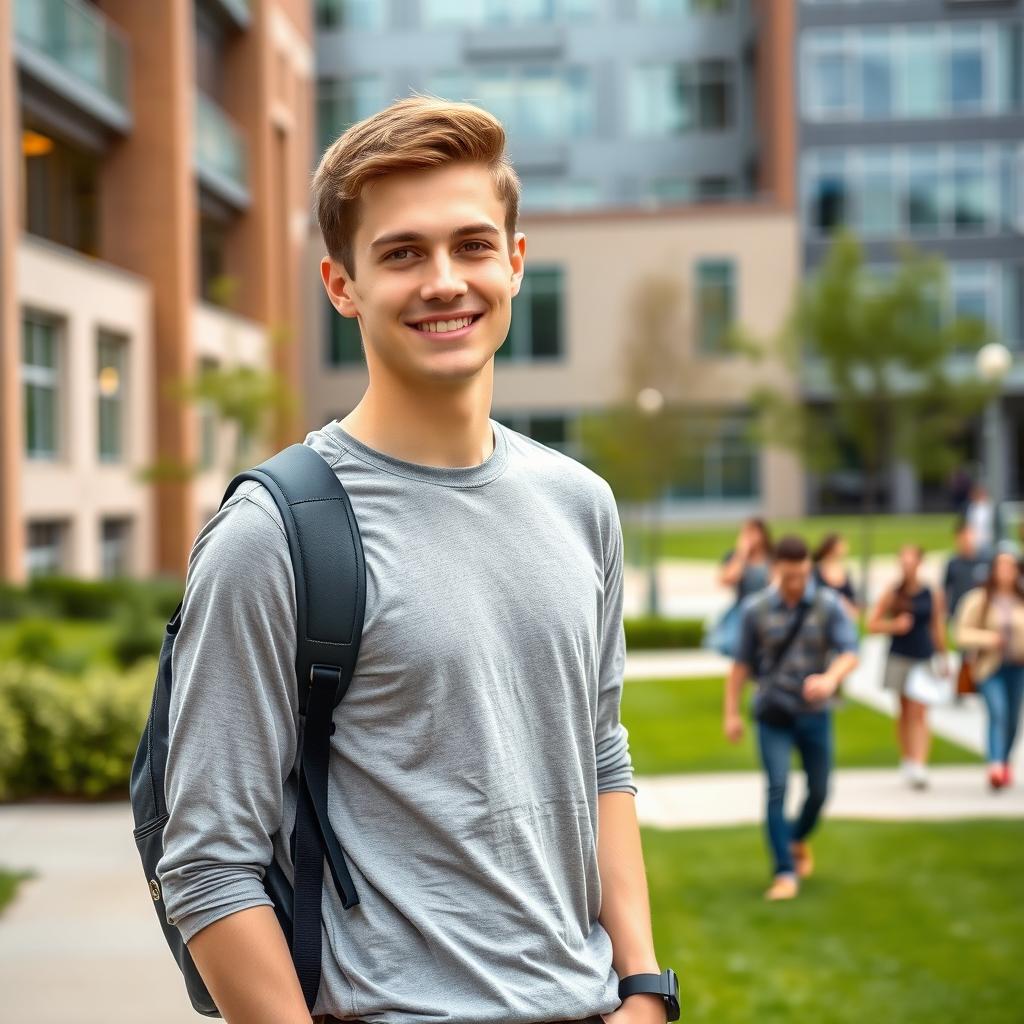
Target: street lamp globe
<point>650,401</point>
<point>993,362</point>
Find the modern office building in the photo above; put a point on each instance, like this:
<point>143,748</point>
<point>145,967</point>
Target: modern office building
<point>651,136</point>
<point>911,128</point>
<point>154,219</point>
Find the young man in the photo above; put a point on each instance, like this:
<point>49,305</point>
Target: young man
<point>479,745</point>
<point>787,634</point>
<point>965,570</point>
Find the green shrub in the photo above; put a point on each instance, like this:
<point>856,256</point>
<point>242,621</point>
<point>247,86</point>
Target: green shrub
<point>656,633</point>
<point>101,599</point>
<point>80,734</point>
<point>138,636</point>
<point>34,641</point>
<point>12,742</point>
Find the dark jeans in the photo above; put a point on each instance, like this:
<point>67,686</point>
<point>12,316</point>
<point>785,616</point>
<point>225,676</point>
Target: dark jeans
<point>811,734</point>
<point>1003,692</point>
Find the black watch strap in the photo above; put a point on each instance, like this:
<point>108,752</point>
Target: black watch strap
<point>665,985</point>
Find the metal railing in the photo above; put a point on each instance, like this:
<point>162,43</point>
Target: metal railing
<point>79,39</point>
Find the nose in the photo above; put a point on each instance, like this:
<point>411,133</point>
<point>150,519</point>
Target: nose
<point>443,280</point>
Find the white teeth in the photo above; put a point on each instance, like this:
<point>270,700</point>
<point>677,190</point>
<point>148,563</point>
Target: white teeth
<point>442,326</point>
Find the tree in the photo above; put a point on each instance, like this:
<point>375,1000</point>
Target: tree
<point>884,350</point>
<point>641,453</point>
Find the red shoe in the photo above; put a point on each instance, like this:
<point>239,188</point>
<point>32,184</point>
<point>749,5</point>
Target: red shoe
<point>996,776</point>
<point>1007,775</point>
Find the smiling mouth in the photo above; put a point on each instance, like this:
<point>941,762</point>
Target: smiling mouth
<point>430,328</point>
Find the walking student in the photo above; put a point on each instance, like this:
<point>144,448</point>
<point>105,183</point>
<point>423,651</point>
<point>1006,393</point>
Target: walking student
<point>798,644</point>
<point>747,569</point>
<point>914,615</point>
<point>965,570</point>
<point>481,783</point>
<point>990,625</point>
<point>830,570</point>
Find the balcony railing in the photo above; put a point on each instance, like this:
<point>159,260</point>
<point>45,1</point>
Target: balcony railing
<point>220,156</point>
<point>73,42</point>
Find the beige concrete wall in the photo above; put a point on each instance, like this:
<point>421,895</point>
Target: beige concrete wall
<point>605,259</point>
<point>78,488</point>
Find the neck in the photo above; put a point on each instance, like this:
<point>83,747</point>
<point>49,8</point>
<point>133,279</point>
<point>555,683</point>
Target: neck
<point>446,427</point>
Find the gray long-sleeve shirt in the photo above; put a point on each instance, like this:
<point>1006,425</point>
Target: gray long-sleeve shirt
<point>480,725</point>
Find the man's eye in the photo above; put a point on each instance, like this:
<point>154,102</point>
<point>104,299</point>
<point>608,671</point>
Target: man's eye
<point>478,242</point>
<point>396,252</point>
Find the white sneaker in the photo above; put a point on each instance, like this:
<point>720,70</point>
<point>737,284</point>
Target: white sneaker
<point>918,775</point>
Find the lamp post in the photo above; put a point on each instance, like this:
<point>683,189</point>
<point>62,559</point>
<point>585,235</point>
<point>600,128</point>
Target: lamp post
<point>993,364</point>
<point>650,402</point>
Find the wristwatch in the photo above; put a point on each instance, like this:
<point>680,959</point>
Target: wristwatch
<point>665,985</point>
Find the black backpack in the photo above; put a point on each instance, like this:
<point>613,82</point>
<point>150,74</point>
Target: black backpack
<point>330,594</point>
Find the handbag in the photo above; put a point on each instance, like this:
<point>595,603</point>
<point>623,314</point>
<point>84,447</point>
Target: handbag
<point>965,681</point>
<point>926,686</point>
<point>724,636</point>
<point>774,705</point>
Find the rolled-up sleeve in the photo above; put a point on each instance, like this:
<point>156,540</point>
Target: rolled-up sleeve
<point>614,765</point>
<point>842,633</point>
<point>233,715</point>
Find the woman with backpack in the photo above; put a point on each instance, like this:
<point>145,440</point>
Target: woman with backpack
<point>990,625</point>
<point>914,615</point>
<point>747,569</point>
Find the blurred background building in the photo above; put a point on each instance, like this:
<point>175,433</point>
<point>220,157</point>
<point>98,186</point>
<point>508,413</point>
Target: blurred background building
<point>651,137</point>
<point>163,149</point>
<point>150,152</point>
<point>911,128</point>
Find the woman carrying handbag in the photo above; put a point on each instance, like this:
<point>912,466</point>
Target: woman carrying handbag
<point>990,625</point>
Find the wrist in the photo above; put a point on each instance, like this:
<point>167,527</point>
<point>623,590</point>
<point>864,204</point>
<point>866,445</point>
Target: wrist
<point>653,1006</point>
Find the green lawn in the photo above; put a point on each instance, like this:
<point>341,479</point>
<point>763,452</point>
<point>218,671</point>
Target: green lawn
<point>934,532</point>
<point>908,923</point>
<point>675,725</point>
<point>8,884</point>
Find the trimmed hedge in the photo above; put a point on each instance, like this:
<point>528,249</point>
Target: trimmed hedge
<point>67,597</point>
<point>654,633</point>
<point>70,735</point>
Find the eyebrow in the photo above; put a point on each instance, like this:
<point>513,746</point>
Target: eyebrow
<point>414,236</point>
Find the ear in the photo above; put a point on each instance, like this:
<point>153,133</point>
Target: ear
<point>338,287</point>
<point>518,259</point>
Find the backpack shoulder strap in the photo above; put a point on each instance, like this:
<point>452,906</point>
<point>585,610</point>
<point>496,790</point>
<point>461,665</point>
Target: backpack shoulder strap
<point>327,558</point>
<point>330,600</point>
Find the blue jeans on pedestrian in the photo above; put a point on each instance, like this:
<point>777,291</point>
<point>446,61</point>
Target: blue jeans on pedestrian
<point>1003,691</point>
<point>811,735</point>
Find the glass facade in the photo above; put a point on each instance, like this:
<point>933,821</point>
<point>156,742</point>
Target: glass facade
<point>676,98</point>
<point>115,547</point>
<point>913,72</point>
<point>40,373</point>
<point>535,101</point>
<point>482,13</point>
<point>111,382</point>
<point>344,342</point>
<point>537,330</point>
<point>350,14</point>
<point>723,464</point>
<point>650,9</point>
<point>558,194</point>
<point>342,102</point>
<point>921,191</point>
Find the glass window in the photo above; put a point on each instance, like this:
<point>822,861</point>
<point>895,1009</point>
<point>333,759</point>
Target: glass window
<point>972,191</point>
<point>1013,305</point>
<point>876,75</point>
<point>502,12</point>
<point>722,464</point>
<point>213,259</point>
<point>830,198</point>
<point>922,87</point>
<point>670,99</point>
<point>715,95</point>
<point>115,552</point>
<point>967,69</point>
<point>973,288</point>
<point>925,207</point>
<point>536,331</point>
<point>45,550</point>
<point>344,341</point>
<point>111,381</point>
<point>351,14</point>
<point>829,65</point>
<point>558,194</point>
<point>879,196</point>
<point>716,302</point>
<point>40,374</point>
<point>341,103</point>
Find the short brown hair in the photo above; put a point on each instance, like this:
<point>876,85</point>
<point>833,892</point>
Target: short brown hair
<point>415,132</point>
<point>791,549</point>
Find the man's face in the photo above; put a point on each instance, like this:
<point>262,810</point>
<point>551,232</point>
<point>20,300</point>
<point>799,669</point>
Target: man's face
<point>436,276</point>
<point>792,577</point>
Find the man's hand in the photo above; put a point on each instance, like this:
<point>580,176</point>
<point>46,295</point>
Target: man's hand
<point>733,729</point>
<point>641,1008</point>
<point>819,687</point>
